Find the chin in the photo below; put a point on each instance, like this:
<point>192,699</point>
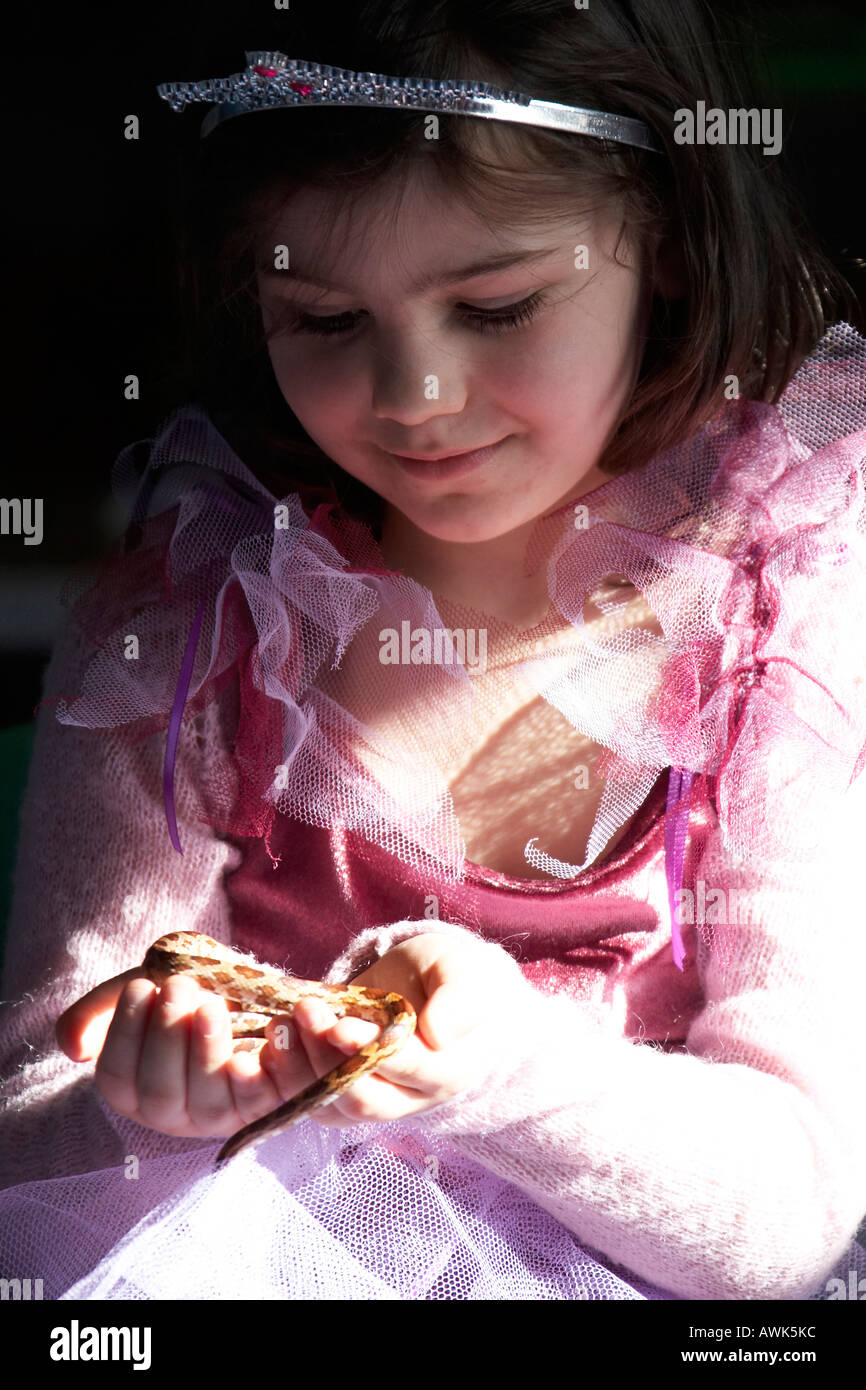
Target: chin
<point>469,530</point>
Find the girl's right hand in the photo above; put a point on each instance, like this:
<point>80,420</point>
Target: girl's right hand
<point>167,1059</point>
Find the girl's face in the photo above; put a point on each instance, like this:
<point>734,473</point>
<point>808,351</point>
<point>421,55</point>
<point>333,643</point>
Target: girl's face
<point>413,349</point>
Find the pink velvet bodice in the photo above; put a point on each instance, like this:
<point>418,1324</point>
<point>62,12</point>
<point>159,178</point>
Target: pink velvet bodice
<point>602,936</point>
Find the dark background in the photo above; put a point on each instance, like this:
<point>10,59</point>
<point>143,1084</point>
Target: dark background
<point>89,256</point>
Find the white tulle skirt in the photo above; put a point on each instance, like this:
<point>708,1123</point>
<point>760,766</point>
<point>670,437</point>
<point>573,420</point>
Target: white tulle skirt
<point>315,1213</point>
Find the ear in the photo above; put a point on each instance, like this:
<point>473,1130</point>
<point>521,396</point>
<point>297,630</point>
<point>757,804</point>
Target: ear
<point>670,280</point>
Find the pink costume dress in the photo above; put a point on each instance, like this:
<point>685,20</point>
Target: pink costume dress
<point>675,1109</point>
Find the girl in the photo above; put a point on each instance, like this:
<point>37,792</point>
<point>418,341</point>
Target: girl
<point>580,404</point>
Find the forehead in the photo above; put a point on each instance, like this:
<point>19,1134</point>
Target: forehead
<point>408,226</point>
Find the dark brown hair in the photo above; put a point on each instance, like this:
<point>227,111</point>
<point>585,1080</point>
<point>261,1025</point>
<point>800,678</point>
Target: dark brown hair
<point>756,293</point>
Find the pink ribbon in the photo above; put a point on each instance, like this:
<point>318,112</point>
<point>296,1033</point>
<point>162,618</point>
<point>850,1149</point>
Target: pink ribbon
<point>676,829</point>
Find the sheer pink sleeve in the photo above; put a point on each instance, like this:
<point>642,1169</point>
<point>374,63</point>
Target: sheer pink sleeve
<point>97,881</point>
<point>733,1171</point>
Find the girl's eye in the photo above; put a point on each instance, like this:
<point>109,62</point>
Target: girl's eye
<point>480,320</point>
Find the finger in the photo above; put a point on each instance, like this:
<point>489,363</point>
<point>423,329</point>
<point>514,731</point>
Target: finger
<point>455,1005</point>
<point>284,1059</point>
<point>327,1043</point>
<point>374,1097</point>
<point>210,1103</point>
<point>349,1034</point>
<point>253,1089</point>
<point>394,1090</point>
<point>412,1080</point>
<point>163,1064</point>
<point>313,1021</point>
<point>295,1054</point>
<point>117,1065</point>
<point>451,1013</point>
<point>81,1029</point>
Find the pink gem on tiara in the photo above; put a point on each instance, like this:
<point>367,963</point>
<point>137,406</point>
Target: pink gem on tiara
<point>264,72</point>
<point>301,87</point>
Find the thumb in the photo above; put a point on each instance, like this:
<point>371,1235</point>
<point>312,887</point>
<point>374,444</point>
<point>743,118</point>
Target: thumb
<point>450,1013</point>
<point>81,1029</point>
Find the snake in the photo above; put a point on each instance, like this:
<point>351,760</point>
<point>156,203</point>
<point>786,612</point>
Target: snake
<point>263,992</point>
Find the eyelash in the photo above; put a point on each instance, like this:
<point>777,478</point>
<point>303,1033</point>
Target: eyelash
<point>483,321</point>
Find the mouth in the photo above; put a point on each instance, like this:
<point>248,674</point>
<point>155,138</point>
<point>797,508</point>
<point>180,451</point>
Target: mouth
<point>448,465</point>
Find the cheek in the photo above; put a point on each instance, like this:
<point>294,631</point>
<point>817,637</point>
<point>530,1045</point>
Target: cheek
<point>546,385</point>
<point>318,394</point>
<point>528,374</point>
<point>587,371</point>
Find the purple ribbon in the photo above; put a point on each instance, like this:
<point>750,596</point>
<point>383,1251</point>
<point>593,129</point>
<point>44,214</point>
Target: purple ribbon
<point>174,726</point>
<point>676,829</point>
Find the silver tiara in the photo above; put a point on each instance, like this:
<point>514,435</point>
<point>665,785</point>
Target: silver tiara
<point>273,80</point>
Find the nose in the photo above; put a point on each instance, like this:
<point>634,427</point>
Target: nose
<point>414,381</point>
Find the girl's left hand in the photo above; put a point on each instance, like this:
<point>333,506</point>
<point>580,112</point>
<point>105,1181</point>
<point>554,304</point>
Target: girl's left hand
<point>465,994</point>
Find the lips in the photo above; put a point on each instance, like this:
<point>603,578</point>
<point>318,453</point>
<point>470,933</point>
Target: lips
<point>435,468</point>
<point>444,458</point>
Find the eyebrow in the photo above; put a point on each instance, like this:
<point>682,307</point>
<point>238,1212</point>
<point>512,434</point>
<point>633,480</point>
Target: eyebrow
<point>435,280</point>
